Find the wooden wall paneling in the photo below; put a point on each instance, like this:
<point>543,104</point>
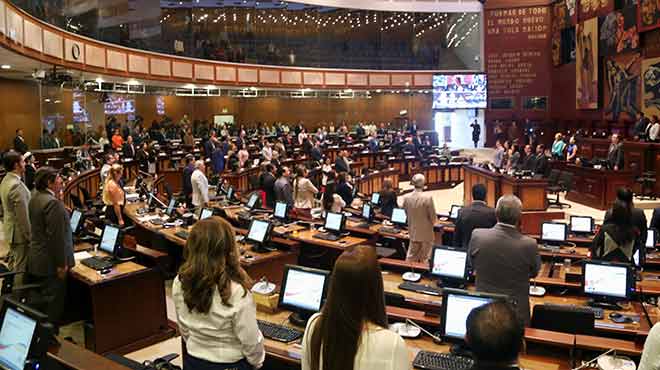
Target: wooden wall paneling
<point>19,108</point>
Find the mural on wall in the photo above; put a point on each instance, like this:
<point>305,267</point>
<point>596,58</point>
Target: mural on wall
<point>651,86</point>
<point>595,8</point>
<point>586,40</point>
<point>618,32</point>
<point>648,15</point>
<point>571,9</point>
<point>556,48</point>
<point>621,88</point>
<point>561,18</point>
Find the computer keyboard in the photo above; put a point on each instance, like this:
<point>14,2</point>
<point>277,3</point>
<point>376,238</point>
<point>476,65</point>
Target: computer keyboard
<point>364,225</point>
<point>389,230</point>
<point>441,361</point>
<point>278,332</point>
<point>327,237</point>
<point>98,263</point>
<point>599,313</point>
<point>182,234</point>
<point>420,288</point>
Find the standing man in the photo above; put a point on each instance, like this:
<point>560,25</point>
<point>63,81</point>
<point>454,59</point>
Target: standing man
<point>541,166</point>
<point>15,197</point>
<point>615,154</point>
<point>129,148</point>
<point>282,188</point>
<point>187,178</point>
<point>342,164</point>
<point>476,132</point>
<point>421,218</point>
<point>528,163</point>
<point>503,259</point>
<point>19,142</point>
<point>200,185</point>
<point>267,184</point>
<point>475,216</point>
<point>51,250</point>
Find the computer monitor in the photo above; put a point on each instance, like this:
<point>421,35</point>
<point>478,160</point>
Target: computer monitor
<point>607,282</point>
<point>24,336</point>
<point>76,217</point>
<point>110,242</point>
<point>205,213</point>
<point>375,199</point>
<point>303,292</point>
<point>252,201</point>
<point>450,265</point>
<point>399,217</point>
<point>582,224</point>
<point>259,231</point>
<point>453,212</point>
<point>230,193</point>
<point>334,222</point>
<point>170,207</point>
<point>367,212</point>
<point>553,232</point>
<point>639,257</point>
<point>651,238</point>
<point>456,306</point>
<point>281,211</point>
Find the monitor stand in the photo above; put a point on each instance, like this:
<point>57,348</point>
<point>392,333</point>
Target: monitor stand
<point>299,319</point>
<point>450,283</point>
<point>262,248</point>
<point>604,304</point>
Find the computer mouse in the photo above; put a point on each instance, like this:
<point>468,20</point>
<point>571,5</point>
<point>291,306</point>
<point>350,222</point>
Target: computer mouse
<point>412,276</point>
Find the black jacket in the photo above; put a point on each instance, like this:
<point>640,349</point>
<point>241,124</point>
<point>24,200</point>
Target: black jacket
<point>187,182</point>
<point>20,145</point>
<point>638,219</point>
<point>475,216</point>
<point>129,150</point>
<point>267,185</point>
<point>341,165</point>
<point>388,201</point>
<point>345,192</point>
<point>655,220</point>
<point>541,165</point>
<point>316,154</point>
<point>615,156</point>
<point>529,163</point>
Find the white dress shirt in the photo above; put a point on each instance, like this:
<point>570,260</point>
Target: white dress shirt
<point>224,334</point>
<point>654,132</point>
<point>379,349</point>
<point>200,187</point>
<point>267,153</point>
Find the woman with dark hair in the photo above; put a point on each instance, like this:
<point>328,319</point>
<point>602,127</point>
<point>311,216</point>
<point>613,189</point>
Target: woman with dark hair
<point>332,202</point>
<point>303,189</point>
<point>214,307</point>
<point>350,332</point>
<point>616,239</point>
<point>388,198</point>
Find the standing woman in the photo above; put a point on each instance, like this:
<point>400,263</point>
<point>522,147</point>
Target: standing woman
<point>113,196</point>
<point>388,198</point>
<point>243,156</point>
<point>215,312</point>
<point>351,331</point>
<point>303,189</point>
<point>571,152</point>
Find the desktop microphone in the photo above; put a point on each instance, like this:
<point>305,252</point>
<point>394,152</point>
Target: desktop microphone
<point>435,338</point>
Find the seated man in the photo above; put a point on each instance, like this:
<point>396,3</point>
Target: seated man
<point>494,334</point>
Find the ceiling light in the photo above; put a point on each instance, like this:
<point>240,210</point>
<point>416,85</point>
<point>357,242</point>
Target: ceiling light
<point>132,82</point>
<point>5,66</point>
<point>188,86</point>
<point>379,90</point>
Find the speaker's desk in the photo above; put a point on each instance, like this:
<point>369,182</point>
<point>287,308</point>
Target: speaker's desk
<point>532,192</point>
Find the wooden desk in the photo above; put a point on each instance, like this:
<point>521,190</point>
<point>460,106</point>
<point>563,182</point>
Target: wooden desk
<point>121,319</point>
<point>596,188</point>
<point>307,237</point>
<point>532,192</point>
<point>373,182</point>
<point>74,357</point>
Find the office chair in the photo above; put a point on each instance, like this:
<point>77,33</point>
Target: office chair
<point>564,184</point>
<point>395,299</point>
<point>389,247</point>
<point>647,186</point>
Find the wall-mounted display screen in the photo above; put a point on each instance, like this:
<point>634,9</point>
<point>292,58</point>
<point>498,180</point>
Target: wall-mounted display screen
<point>118,104</point>
<point>460,91</point>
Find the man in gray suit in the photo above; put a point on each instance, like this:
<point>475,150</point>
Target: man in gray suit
<point>15,196</point>
<point>282,188</point>
<point>503,259</point>
<point>421,218</point>
<point>51,250</point>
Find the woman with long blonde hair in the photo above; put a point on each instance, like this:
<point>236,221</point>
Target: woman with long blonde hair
<point>113,195</point>
<point>215,312</point>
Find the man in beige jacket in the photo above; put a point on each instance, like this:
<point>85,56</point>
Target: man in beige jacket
<point>15,197</point>
<point>421,218</point>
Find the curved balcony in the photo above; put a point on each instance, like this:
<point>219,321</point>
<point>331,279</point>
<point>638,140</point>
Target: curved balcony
<point>278,33</point>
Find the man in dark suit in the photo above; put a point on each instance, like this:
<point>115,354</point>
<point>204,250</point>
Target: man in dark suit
<point>267,184</point>
<point>344,189</point>
<point>528,163</point>
<point>655,220</point>
<point>51,248</point>
<point>316,152</point>
<point>504,259</point>
<point>128,150</point>
<point>637,218</point>
<point>541,166</point>
<point>187,178</point>
<point>19,142</point>
<point>341,163</point>
<point>615,154</point>
<point>409,148</point>
<point>475,216</point>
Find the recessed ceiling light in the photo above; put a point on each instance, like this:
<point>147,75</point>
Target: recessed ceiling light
<point>5,66</point>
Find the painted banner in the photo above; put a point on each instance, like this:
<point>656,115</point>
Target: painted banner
<point>586,65</point>
<point>622,87</point>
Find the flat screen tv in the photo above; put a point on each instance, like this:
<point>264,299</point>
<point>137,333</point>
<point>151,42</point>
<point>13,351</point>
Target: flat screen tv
<point>460,91</point>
